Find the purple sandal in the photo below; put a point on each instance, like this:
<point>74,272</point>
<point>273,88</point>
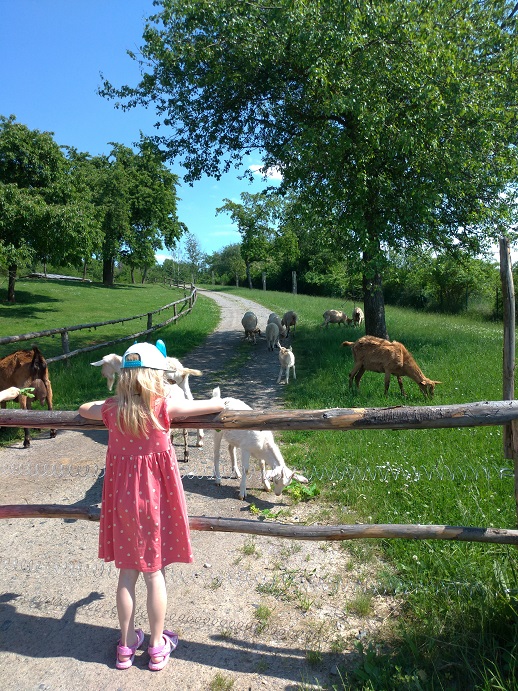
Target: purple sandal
<point>123,650</point>
<point>163,651</point>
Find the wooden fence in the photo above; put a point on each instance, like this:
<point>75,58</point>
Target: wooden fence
<point>180,309</point>
<point>484,413</point>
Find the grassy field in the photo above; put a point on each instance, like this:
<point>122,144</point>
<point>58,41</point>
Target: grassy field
<point>458,627</point>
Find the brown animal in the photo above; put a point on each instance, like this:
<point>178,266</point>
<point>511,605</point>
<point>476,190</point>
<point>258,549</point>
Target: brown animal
<point>289,320</point>
<point>335,317</point>
<point>378,355</point>
<point>27,368</point>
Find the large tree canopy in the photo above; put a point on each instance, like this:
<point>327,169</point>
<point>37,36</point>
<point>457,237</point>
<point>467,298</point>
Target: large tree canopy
<point>396,119</point>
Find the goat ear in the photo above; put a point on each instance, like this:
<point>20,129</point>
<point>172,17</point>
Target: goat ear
<point>300,478</point>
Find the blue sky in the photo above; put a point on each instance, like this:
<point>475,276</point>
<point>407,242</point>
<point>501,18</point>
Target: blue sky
<point>51,55</point>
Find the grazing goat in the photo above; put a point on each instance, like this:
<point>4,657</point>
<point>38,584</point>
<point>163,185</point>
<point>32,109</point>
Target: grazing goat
<point>358,316</point>
<point>335,317</point>
<point>272,336</point>
<point>287,361</point>
<point>259,445</point>
<point>378,355</point>
<point>277,320</point>
<point>23,369</point>
<point>289,320</point>
<point>249,323</point>
<point>111,365</point>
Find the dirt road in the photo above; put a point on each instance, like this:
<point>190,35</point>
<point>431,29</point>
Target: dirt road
<point>265,613</point>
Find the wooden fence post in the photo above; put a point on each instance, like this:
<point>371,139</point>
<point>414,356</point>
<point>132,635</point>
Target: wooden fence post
<point>149,320</point>
<point>65,343</point>
<point>264,280</point>
<point>510,429</point>
<point>294,282</point>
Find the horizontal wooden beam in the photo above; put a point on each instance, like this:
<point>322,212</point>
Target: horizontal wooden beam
<point>484,413</point>
<point>285,530</point>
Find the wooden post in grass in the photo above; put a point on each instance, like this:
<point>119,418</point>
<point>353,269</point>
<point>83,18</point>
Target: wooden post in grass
<point>511,428</point>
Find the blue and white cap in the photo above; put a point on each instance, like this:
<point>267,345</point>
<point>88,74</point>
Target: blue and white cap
<point>144,355</point>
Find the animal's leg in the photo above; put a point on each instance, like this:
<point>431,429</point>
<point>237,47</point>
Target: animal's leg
<point>48,386</point>
<point>245,462</point>
<point>217,447</point>
<point>387,382</point>
<point>233,459</point>
<point>359,375</point>
<point>279,377</point>
<point>355,370</point>
<point>294,373</point>
<point>185,445</point>
<point>199,438</point>
<point>266,483</point>
<point>400,382</point>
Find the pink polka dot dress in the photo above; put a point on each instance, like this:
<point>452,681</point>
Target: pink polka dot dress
<point>144,522</point>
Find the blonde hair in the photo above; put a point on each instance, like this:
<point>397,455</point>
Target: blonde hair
<point>137,391</point>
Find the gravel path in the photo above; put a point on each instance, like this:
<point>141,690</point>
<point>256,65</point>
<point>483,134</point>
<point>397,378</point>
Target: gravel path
<point>265,613</point>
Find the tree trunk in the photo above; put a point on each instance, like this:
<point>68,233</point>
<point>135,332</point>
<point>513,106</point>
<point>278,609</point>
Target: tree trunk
<point>237,280</point>
<point>144,275</point>
<point>11,271</point>
<point>373,301</point>
<point>108,271</point>
<point>132,275</point>
<point>248,275</point>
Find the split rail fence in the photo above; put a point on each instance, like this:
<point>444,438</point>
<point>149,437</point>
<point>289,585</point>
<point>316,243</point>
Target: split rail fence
<point>346,419</point>
<point>180,309</point>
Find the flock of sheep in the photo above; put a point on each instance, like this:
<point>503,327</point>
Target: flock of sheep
<point>28,368</point>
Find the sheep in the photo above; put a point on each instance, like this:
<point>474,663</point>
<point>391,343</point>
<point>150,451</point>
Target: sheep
<point>289,320</point>
<point>287,361</point>
<point>23,369</point>
<point>358,316</point>
<point>111,365</point>
<point>391,357</point>
<point>259,444</point>
<point>249,323</point>
<point>277,320</point>
<point>335,317</point>
<point>272,336</point>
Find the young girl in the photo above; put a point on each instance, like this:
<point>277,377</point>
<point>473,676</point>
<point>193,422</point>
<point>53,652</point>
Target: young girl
<point>144,524</point>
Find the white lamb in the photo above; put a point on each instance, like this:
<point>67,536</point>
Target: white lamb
<point>287,362</point>
<point>272,336</point>
<point>260,445</point>
<point>358,316</point>
<point>249,323</point>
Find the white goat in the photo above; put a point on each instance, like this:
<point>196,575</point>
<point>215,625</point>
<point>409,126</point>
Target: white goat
<point>111,365</point>
<point>289,320</point>
<point>287,361</point>
<point>272,336</point>
<point>249,323</point>
<point>335,317</point>
<point>260,445</point>
<point>358,316</point>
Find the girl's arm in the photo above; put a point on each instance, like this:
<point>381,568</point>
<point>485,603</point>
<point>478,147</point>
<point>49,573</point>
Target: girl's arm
<point>182,408</point>
<point>10,393</point>
<point>91,411</point>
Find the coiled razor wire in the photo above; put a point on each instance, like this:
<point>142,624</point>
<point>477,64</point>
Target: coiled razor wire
<point>379,473</point>
<point>99,569</point>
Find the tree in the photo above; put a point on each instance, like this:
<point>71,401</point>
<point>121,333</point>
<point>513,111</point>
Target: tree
<point>396,120</point>
<point>195,255</point>
<point>253,219</point>
<point>136,194</point>
<point>228,264</point>
<point>42,216</point>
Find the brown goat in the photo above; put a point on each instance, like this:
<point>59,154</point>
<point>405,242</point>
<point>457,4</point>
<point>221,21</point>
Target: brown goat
<point>378,355</point>
<point>27,368</point>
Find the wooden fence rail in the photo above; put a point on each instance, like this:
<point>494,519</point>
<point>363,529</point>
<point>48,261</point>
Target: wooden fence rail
<point>292,532</point>
<point>484,413</point>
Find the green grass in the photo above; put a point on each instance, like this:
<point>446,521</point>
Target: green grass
<point>459,629</point>
<point>458,626</point>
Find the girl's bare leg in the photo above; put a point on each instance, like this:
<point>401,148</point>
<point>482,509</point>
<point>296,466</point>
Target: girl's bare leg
<point>156,605</point>
<point>126,607</point>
